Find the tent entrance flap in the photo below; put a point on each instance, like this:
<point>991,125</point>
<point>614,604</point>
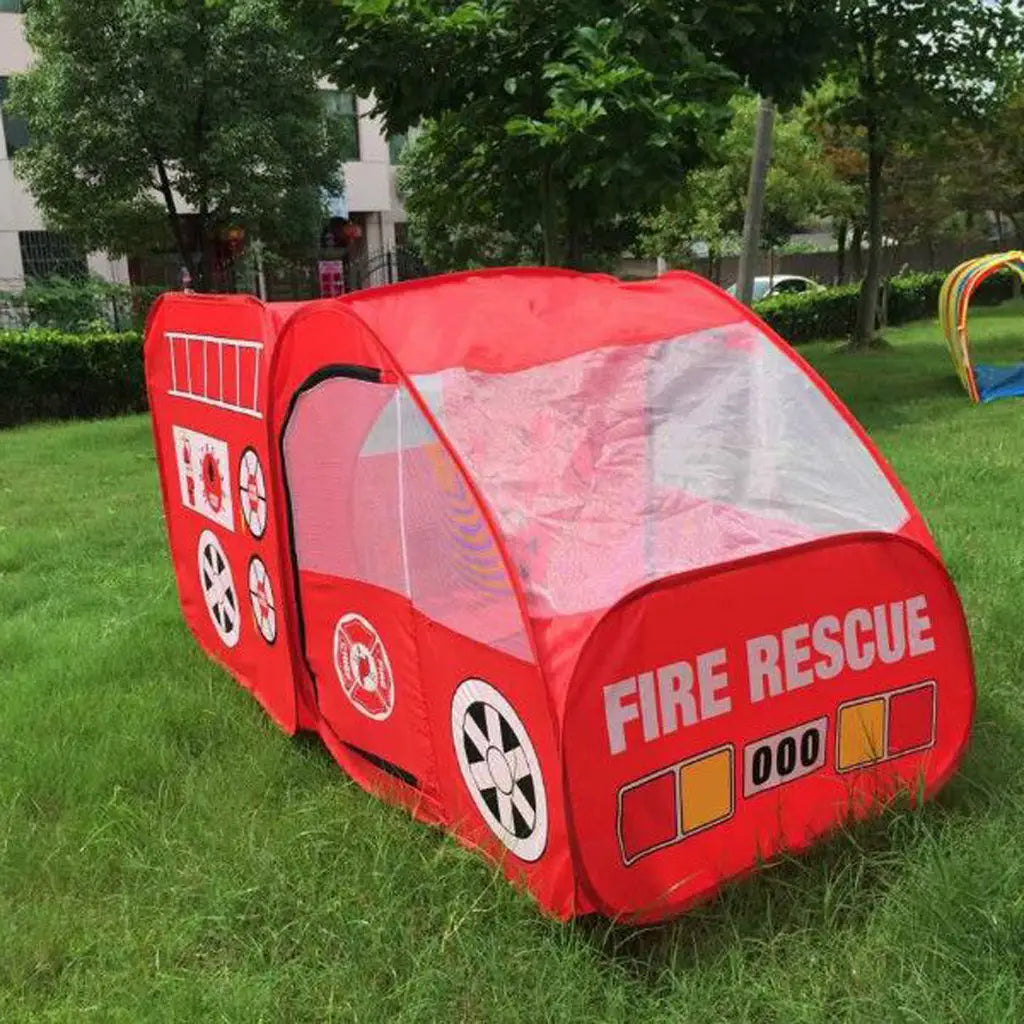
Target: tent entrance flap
<point>999,381</point>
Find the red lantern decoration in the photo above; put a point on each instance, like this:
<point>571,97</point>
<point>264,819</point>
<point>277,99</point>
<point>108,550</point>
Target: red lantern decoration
<point>351,232</point>
<point>235,238</point>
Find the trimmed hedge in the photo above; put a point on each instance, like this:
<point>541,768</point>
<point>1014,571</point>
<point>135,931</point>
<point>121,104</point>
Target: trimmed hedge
<point>51,375</point>
<point>813,316</point>
<point>832,314</point>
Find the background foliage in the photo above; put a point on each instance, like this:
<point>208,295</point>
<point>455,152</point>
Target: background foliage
<point>140,109</point>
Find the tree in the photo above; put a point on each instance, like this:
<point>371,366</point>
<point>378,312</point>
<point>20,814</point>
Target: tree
<point>842,148</point>
<point>459,217</point>
<point>988,174</point>
<point>711,205</point>
<point>921,201</point>
<point>907,68</point>
<point>585,117</point>
<point>471,202</point>
<point>140,110</point>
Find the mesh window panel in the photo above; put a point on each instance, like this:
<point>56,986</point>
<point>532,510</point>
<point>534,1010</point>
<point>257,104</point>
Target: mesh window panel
<point>344,494</point>
<point>376,498</point>
<point>624,465</point>
<point>457,574</point>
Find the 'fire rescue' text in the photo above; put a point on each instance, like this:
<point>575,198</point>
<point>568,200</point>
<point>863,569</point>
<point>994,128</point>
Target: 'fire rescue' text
<point>653,704</point>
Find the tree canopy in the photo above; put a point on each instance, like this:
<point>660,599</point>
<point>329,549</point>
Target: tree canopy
<point>710,206</point>
<point>906,69</point>
<point>583,113</point>
<point>142,110</point>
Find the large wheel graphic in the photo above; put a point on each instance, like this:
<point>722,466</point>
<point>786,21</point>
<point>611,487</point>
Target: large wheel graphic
<point>252,491</point>
<point>218,588</point>
<point>500,768</point>
<point>261,593</point>
<point>363,667</point>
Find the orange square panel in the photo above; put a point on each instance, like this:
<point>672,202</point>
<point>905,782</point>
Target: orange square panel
<point>861,734</point>
<point>706,788</point>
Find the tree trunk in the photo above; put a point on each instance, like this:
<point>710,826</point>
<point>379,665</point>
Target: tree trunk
<point>167,191</point>
<point>204,268</point>
<point>857,252</point>
<point>867,307</point>
<point>573,232</point>
<point>549,218</point>
<point>755,201</point>
<point>1018,229</point>
<point>841,230</point>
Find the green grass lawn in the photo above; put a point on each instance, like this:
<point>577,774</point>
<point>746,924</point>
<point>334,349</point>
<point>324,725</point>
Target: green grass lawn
<point>167,855</point>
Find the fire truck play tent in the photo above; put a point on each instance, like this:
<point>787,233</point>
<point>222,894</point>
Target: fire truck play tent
<point>599,577</point>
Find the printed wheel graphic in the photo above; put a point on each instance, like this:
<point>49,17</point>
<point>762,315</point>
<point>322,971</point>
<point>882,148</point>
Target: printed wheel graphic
<point>252,490</point>
<point>261,593</point>
<point>500,768</point>
<point>218,588</point>
<point>363,668</point>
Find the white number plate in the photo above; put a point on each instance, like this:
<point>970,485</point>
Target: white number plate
<point>784,757</point>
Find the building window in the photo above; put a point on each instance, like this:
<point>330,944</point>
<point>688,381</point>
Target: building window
<point>342,105</point>
<point>396,145</point>
<point>11,6</point>
<point>15,129</point>
<point>48,254</point>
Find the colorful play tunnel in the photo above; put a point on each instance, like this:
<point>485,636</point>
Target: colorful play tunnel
<point>984,383</point>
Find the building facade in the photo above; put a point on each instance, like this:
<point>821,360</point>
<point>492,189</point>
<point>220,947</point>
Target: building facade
<point>367,220</point>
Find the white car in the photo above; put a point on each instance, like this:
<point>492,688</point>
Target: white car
<point>781,284</point>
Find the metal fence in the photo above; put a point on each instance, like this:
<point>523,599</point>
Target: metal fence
<point>83,304</point>
<point>384,266</point>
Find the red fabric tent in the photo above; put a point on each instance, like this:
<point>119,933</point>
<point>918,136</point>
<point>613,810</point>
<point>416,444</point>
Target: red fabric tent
<point>600,577</point>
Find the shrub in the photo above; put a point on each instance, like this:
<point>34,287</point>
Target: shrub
<point>129,305</point>
<point>92,306</point>
<point>47,374</point>
<point>65,305</point>
<point>813,316</point>
<point>832,313</point>
<point>914,297</point>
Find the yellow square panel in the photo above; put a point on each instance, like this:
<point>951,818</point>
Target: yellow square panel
<point>861,734</point>
<point>706,790</point>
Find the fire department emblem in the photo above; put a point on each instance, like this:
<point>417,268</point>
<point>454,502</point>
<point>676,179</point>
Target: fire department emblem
<point>363,667</point>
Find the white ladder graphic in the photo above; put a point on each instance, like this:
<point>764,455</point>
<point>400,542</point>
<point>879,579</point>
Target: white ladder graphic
<point>215,351</point>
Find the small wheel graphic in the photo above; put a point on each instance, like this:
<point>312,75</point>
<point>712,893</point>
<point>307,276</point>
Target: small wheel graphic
<point>218,588</point>
<point>261,593</point>
<point>252,491</point>
<point>363,668</point>
<point>500,768</point>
